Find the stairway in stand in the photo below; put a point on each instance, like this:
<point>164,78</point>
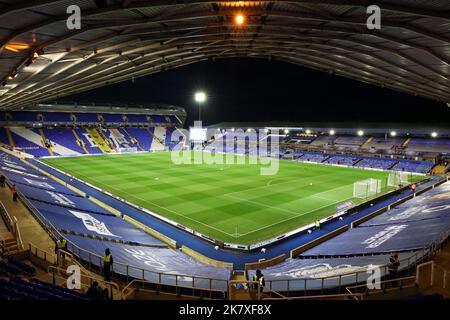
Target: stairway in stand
<point>99,141</point>
<point>8,243</point>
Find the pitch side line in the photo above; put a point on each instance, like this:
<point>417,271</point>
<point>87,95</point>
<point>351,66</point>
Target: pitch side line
<point>164,208</point>
<point>302,214</point>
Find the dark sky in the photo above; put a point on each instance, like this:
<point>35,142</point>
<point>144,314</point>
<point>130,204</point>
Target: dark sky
<point>262,90</point>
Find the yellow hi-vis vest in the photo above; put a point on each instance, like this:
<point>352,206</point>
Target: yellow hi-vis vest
<point>107,258</point>
<point>261,280</point>
<point>61,244</point>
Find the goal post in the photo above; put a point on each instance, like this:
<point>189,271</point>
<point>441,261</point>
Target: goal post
<point>398,179</point>
<point>366,188</point>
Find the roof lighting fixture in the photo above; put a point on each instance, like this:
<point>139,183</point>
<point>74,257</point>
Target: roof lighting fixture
<point>239,19</point>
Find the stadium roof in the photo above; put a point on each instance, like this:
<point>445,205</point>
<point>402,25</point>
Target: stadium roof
<point>41,59</point>
<point>443,128</point>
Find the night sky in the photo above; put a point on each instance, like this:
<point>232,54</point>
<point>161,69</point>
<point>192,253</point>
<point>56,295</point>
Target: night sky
<point>257,90</point>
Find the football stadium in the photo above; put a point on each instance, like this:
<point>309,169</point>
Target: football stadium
<point>145,201</point>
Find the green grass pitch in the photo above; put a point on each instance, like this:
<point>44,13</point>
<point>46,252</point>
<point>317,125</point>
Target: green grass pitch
<point>231,203</point>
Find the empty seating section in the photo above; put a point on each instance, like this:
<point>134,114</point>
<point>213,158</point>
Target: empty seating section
<point>56,117</point>
<point>314,157</point>
<point>377,163</point>
<point>137,118</point>
<point>429,145</point>
<point>142,135</point>
<point>384,143</point>
<point>322,141</point>
<point>158,119</point>
<point>25,145</point>
<point>87,117</point>
<point>172,140</point>
<point>22,116</point>
<point>414,166</point>
<point>112,118</point>
<point>167,262</point>
<point>89,144</point>
<point>19,289</point>
<point>81,221</point>
<point>174,120</point>
<point>83,117</point>
<point>3,136</point>
<point>63,137</point>
<point>342,160</point>
<point>410,228</point>
<point>349,141</point>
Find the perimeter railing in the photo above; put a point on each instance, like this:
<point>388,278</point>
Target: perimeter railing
<point>162,281</point>
<point>337,284</point>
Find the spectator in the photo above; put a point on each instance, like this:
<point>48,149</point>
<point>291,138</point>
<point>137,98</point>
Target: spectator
<point>2,181</point>
<point>317,224</point>
<point>107,265</point>
<point>394,263</point>
<point>93,292</point>
<point>105,294</point>
<point>61,245</point>
<point>14,192</point>
<point>259,277</point>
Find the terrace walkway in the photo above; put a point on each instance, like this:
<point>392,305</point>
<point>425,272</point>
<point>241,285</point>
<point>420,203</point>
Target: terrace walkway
<point>30,229</point>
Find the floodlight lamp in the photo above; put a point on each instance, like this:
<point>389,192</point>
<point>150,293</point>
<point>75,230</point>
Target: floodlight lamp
<point>200,97</point>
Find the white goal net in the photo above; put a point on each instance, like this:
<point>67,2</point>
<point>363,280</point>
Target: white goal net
<point>366,188</point>
<point>397,179</point>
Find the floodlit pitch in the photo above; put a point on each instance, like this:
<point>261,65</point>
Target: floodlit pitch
<point>230,202</point>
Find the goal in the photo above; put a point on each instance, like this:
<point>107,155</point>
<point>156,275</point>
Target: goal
<point>396,179</point>
<point>366,188</point>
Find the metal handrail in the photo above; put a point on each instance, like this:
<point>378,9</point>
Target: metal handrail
<point>357,275</point>
<point>433,266</point>
<point>322,297</point>
<point>382,284</point>
<point>46,254</point>
<point>253,284</point>
<point>17,234</point>
<point>144,282</point>
<point>6,216</point>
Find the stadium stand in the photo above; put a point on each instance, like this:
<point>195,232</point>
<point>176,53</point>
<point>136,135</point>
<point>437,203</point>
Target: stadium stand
<point>384,164</point>
<point>63,138</point>
<point>429,145</point>
<point>316,274</point>
<point>414,166</point>
<point>19,289</point>
<point>342,160</point>
<point>56,117</point>
<point>80,220</point>
<point>411,228</point>
<point>158,265</point>
<point>384,143</point>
